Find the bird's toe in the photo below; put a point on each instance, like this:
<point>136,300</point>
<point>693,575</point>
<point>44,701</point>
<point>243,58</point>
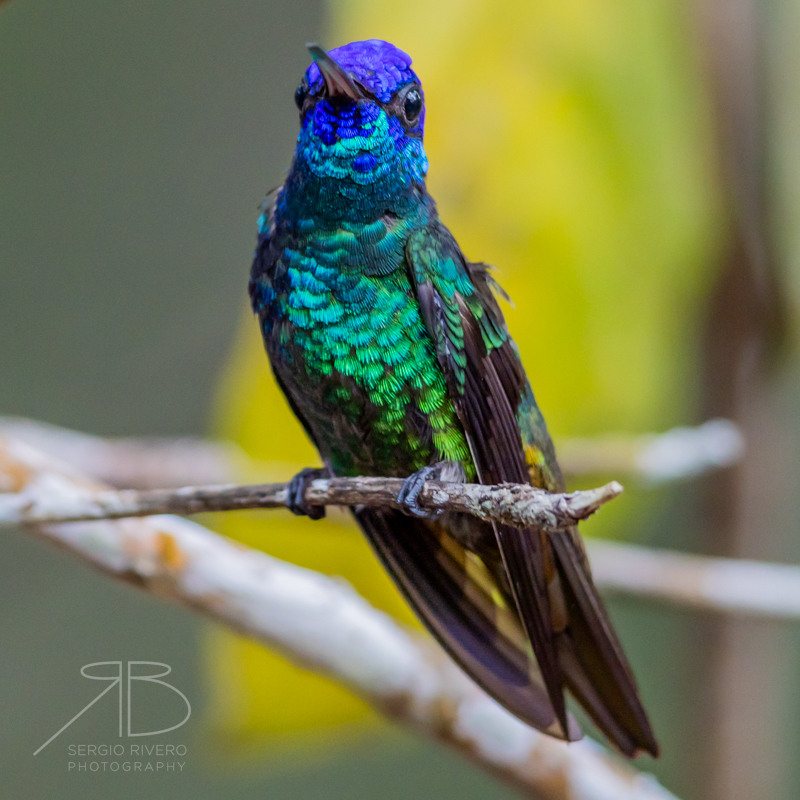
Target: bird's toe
<point>295,496</point>
<point>412,486</point>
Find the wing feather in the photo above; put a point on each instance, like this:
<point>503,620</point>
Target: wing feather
<point>484,406</point>
<point>594,664</point>
<point>550,582</point>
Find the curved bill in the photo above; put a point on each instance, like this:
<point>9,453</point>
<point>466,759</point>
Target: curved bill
<point>337,81</point>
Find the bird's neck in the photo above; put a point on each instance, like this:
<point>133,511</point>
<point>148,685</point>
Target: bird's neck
<point>335,200</point>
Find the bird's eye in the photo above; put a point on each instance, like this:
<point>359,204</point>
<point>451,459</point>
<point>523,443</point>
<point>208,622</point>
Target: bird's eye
<point>412,105</point>
<point>300,95</point>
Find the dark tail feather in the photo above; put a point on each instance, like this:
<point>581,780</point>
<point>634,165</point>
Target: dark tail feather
<point>522,553</point>
<point>591,658</point>
<point>459,617</point>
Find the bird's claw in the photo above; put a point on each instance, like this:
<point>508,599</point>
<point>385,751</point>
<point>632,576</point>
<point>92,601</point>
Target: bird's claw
<point>412,486</point>
<point>295,496</point>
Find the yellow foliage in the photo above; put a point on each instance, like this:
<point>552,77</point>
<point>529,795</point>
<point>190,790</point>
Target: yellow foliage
<point>569,147</point>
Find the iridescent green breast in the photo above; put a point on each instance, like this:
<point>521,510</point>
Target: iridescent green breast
<point>353,351</point>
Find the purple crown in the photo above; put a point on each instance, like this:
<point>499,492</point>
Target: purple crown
<point>378,66</point>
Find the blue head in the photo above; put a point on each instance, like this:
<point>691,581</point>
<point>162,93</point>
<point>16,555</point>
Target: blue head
<point>359,152</point>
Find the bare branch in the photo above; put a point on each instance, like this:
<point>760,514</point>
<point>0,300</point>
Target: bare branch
<point>727,585</point>
<point>323,624</point>
<point>513,504</point>
<point>150,463</point>
<point>130,463</point>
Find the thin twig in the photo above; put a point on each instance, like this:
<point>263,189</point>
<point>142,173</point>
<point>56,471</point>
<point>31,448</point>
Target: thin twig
<point>165,463</point>
<point>322,623</point>
<point>513,504</point>
<point>725,585</point>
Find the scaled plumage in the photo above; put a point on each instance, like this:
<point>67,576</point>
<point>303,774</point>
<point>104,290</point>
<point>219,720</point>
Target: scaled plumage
<point>395,356</point>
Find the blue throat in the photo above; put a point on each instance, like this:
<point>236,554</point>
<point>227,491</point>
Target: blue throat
<point>353,163</point>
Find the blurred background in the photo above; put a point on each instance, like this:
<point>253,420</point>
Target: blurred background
<point>631,168</point>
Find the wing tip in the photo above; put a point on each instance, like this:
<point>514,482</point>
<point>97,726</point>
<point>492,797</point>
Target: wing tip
<point>648,747</point>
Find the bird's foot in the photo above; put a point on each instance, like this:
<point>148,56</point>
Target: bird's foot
<point>295,496</point>
<point>449,471</point>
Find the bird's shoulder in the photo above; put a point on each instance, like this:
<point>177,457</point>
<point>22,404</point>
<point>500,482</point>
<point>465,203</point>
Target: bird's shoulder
<point>266,255</point>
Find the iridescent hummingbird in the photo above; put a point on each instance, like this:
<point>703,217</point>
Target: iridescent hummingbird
<point>392,351</point>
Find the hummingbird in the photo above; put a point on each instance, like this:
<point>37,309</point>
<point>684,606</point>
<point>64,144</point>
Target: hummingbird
<point>392,351</point>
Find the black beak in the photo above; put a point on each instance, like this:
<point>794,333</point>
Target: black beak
<point>337,81</point>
